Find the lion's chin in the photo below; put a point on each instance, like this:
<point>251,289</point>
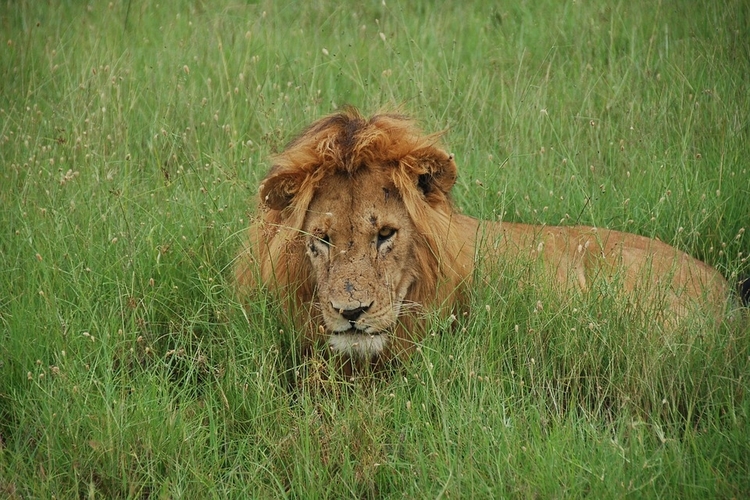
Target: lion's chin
<point>358,344</point>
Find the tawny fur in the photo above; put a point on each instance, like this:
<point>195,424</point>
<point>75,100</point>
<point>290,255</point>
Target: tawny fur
<point>342,162</point>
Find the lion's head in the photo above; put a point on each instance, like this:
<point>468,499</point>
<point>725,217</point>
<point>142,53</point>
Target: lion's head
<point>356,232</point>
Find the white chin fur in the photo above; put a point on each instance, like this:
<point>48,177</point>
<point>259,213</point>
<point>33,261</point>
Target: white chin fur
<point>359,344</point>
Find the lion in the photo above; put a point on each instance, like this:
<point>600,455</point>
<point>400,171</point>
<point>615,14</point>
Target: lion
<point>358,237</point>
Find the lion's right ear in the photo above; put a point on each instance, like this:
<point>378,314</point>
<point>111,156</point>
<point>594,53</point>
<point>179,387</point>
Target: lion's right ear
<point>280,187</point>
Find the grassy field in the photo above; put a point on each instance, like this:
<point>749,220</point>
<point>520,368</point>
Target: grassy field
<point>132,139</point>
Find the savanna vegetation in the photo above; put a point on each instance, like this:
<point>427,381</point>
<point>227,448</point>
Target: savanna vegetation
<point>132,139</point>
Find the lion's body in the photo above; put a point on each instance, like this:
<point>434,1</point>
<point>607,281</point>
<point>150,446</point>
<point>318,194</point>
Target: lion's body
<point>358,237</point>
<point>654,274</point>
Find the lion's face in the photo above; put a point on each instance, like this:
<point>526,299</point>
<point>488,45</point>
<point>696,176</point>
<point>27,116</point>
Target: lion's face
<point>359,241</point>
<point>355,234</point>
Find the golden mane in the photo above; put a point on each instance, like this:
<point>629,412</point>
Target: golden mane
<point>346,142</point>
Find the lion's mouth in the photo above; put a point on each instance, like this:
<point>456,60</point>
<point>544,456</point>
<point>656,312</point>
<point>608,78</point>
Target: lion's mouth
<point>356,332</point>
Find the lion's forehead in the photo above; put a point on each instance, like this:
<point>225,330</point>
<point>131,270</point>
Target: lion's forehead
<point>354,204</point>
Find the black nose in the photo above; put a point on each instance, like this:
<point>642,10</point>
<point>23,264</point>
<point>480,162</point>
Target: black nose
<point>353,314</point>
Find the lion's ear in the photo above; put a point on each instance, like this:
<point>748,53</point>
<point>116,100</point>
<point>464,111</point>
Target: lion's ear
<point>280,187</point>
<point>439,175</point>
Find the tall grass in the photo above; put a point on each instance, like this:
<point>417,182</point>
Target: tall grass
<point>132,139</point>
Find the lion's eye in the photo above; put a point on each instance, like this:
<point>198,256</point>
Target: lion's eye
<point>318,244</point>
<point>385,234</point>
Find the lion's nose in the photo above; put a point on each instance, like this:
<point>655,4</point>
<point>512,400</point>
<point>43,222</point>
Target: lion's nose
<point>353,314</point>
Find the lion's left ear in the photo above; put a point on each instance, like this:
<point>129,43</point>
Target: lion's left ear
<point>439,174</point>
<point>280,187</point>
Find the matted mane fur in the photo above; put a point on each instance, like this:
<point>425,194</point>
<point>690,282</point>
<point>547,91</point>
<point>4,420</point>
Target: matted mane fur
<point>346,142</point>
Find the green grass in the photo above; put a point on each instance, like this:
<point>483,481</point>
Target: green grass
<point>132,140</point>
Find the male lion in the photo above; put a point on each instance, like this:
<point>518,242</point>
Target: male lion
<point>359,237</point>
